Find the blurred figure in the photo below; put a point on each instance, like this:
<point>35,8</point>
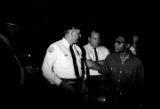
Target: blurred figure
<point>135,39</point>
<point>123,74</point>
<point>95,53</point>
<point>12,71</point>
<point>133,48</point>
<point>62,69</point>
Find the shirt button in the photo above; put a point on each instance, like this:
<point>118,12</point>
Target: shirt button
<point>120,72</point>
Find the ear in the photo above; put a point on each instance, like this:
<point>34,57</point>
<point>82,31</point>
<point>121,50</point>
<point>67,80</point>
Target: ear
<point>71,33</point>
<point>89,38</point>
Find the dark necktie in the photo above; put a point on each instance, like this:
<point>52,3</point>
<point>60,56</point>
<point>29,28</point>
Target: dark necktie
<point>74,62</point>
<point>96,55</point>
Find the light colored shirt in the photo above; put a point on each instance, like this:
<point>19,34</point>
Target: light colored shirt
<point>102,53</point>
<point>58,63</point>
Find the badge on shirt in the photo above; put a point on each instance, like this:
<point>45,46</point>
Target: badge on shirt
<point>50,49</point>
<point>65,54</point>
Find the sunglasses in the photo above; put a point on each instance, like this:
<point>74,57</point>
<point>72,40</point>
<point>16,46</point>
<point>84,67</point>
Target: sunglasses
<point>119,42</point>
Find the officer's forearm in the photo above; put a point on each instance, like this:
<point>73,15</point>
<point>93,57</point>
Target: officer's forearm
<point>51,76</point>
<point>53,79</point>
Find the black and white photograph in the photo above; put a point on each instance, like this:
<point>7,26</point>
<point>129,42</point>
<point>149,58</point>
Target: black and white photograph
<point>73,54</point>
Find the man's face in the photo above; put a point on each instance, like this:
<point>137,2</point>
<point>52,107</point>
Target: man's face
<point>76,35</point>
<point>94,40</point>
<point>119,45</point>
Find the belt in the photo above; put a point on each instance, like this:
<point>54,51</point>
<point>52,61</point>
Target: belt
<point>76,83</point>
<point>95,75</point>
<point>71,81</point>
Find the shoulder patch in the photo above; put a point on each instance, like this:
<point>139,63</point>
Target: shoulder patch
<point>50,49</point>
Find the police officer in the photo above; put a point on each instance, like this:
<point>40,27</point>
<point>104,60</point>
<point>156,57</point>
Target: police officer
<point>59,67</point>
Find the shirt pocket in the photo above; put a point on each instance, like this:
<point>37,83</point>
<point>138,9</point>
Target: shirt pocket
<point>64,60</point>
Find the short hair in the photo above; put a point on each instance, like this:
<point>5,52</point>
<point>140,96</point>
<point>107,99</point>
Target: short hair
<point>69,27</point>
<point>127,38</point>
<point>93,32</point>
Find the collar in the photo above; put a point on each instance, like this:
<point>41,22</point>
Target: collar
<point>66,43</point>
<point>124,59</point>
<point>90,46</point>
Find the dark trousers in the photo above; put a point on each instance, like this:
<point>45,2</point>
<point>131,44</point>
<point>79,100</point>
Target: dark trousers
<point>94,88</point>
<point>68,99</point>
<point>122,98</point>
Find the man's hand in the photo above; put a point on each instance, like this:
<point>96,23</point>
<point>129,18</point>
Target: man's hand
<point>93,64</point>
<point>84,88</point>
<point>66,86</point>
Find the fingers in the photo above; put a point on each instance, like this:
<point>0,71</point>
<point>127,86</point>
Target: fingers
<point>67,86</point>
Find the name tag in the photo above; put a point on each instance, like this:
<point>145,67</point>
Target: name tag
<point>66,55</point>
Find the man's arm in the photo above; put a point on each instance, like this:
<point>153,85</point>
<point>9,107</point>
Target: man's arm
<point>48,70</point>
<point>48,65</point>
<point>93,65</point>
<point>50,75</point>
<point>100,62</point>
<point>133,47</point>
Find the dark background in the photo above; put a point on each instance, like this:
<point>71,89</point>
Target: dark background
<point>42,22</point>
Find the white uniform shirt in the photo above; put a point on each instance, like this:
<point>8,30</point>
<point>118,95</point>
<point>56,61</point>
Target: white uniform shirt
<point>58,62</point>
<point>102,53</point>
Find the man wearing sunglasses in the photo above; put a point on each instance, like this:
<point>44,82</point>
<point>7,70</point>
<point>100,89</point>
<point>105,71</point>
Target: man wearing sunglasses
<point>123,75</point>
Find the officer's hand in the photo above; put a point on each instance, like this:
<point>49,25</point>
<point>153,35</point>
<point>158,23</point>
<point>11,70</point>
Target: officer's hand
<point>84,91</point>
<point>66,86</point>
<point>84,88</point>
